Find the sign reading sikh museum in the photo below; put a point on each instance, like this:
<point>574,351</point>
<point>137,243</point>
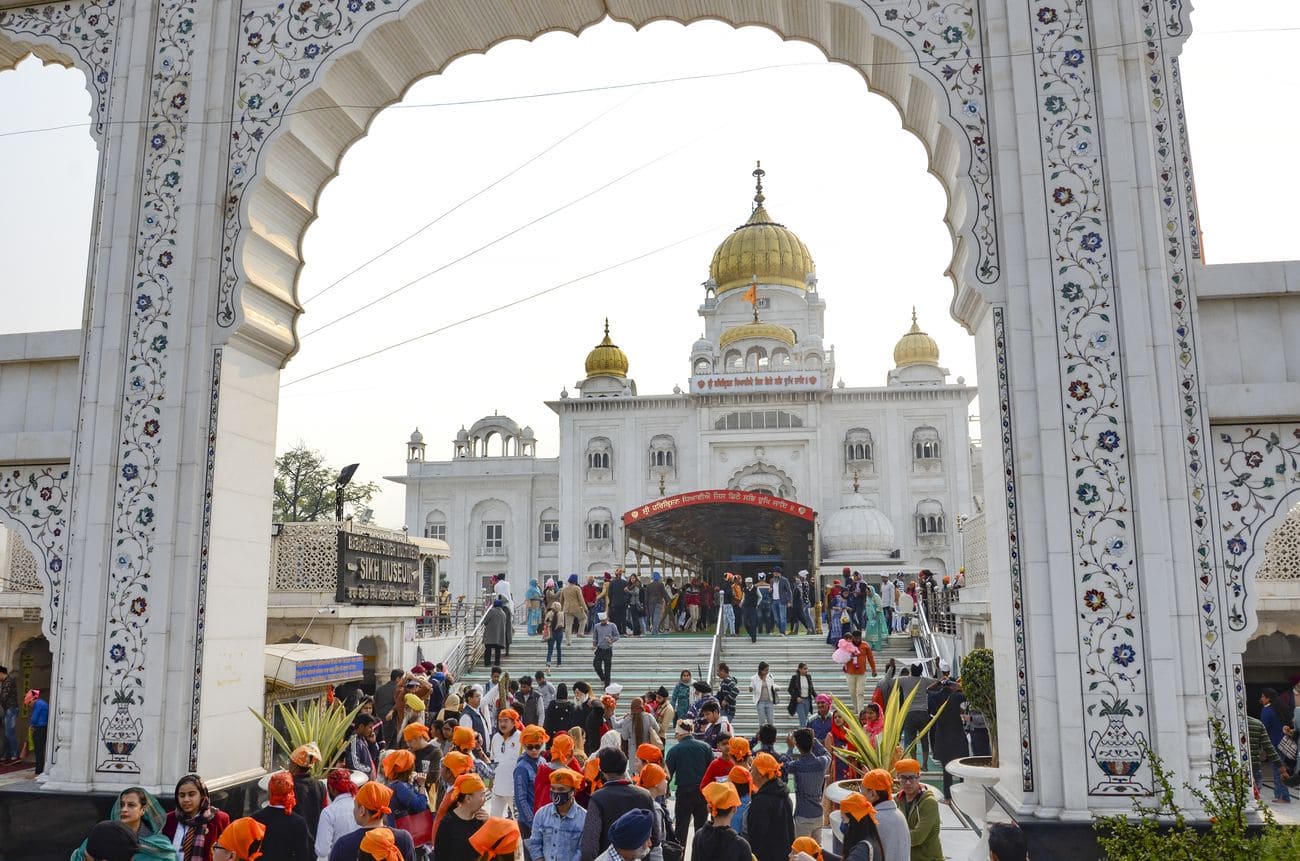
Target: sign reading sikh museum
<point>377,571</point>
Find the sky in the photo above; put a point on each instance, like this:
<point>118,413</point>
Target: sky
<point>652,177</point>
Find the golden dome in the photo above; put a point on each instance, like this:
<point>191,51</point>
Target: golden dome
<point>761,250</point>
<point>916,348</point>
<point>606,359</point>
<point>756,329</point>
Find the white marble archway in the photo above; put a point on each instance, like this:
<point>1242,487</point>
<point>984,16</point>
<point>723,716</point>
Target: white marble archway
<point>224,120</point>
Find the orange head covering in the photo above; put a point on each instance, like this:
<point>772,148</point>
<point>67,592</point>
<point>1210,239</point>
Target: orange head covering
<point>244,838</point>
<point>767,765</point>
<point>414,731</point>
<point>857,806</point>
<point>498,838</point>
<point>463,738</point>
<point>907,766</point>
<point>651,776</point>
<point>566,777</point>
<point>648,752</point>
<point>279,791</point>
<point>561,747</point>
<point>738,748</point>
<point>306,754</point>
<point>738,774</point>
<point>808,845</point>
<point>879,780</point>
<point>533,734</point>
<point>467,784</point>
<point>380,844</point>
<point>457,763</point>
<point>374,796</point>
<point>398,762</point>
<point>513,715</point>
<point>721,795</point>
<point>591,771</point>
<point>608,701</point>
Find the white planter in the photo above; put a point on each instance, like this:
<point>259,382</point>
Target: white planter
<point>969,795</point>
<point>842,789</point>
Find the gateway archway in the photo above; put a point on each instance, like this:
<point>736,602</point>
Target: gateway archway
<point>714,531</point>
<point>198,231</point>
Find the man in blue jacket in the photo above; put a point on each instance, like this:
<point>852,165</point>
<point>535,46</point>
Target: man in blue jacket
<point>1273,725</point>
<point>532,739</point>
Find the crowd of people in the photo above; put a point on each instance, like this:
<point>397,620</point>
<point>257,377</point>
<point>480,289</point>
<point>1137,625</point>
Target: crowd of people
<point>12,751</point>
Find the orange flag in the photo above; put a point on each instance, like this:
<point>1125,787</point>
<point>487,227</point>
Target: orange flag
<point>751,295</point>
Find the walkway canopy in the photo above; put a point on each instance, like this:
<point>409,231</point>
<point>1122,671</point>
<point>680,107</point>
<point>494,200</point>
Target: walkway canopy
<point>712,531</point>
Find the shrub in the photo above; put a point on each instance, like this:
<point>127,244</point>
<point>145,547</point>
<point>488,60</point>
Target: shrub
<point>977,684</point>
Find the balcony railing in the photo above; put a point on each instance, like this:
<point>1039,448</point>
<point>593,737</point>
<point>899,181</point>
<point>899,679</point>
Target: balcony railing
<point>937,604</point>
<point>485,552</point>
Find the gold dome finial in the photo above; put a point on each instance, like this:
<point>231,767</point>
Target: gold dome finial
<point>761,250</point>
<point>606,359</point>
<point>916,347</point>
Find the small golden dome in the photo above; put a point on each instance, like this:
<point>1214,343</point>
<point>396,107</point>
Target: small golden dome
<point>762,250</point>
<point>916,348</point>
<point>606,359</point>
<point>756,329</point>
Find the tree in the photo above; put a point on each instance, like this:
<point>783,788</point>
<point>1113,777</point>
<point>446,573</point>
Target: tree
<point>304,487</point>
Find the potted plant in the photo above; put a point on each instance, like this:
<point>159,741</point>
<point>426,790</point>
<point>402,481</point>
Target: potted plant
<point>864,753</point>
<point>326,725</point>
<point>977,772</point>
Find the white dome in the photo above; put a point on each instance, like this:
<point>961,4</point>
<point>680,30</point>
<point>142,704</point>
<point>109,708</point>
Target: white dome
<point>417,437</point>
<point>702,346</point>
<point>858,531</point>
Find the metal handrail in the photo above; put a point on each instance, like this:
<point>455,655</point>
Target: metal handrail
<point>715,651</point>
<point>467,652</point>
<point>927,638</point>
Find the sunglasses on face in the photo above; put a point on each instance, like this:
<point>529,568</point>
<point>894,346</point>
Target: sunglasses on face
<point>532,747</point>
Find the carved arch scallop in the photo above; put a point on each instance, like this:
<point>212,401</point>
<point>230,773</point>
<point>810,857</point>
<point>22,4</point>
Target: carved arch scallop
<point>81,35</point>
<point>35,503</point>
<point>309,81</point>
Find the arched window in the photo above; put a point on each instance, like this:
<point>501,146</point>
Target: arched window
<point>781,359</point>
<point>812,362</point>
<point>599,528</point>
<point>859,450</point>
<point>734,361</point>
<point>756,359</point>
<point>663,456</point>
<point>703,366</point>
<point>435,525</point>
<point>929,519</point>
<point>600,459</point>
<point>926,450</point>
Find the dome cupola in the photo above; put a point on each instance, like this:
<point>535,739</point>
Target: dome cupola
<point>858,532</point>
<point>761,250</point>
<point>606,360</point>
<point>915,348</point>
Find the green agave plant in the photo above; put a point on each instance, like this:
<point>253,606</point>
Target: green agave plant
<point>325,725</point>
<point>887,749</point>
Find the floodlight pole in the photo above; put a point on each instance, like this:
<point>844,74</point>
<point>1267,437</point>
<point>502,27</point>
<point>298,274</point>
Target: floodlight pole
<point>345,477</point>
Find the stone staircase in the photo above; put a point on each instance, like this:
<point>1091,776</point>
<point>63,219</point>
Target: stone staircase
<point>640,663</point>
<point>784,654</point>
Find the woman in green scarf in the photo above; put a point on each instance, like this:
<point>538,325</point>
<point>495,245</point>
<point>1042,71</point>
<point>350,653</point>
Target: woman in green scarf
<point>141,812</point>
<point>875,629</point>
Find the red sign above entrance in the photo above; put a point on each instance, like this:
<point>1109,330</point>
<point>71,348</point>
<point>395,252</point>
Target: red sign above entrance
<point>713,497</point>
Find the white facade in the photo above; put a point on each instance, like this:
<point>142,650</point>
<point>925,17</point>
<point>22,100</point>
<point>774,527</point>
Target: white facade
<point>760,414</point>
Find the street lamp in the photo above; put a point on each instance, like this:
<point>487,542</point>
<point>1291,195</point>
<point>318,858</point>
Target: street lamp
<point>339,484</point>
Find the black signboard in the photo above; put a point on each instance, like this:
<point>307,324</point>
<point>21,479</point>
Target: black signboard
<point>377,570</point>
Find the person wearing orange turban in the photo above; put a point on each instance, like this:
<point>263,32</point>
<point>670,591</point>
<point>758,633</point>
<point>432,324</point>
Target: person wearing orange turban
<point>374,839</point>
<point>558,824</point>
<point>398,764</point>
<point>769,822</point>
<point>561,757</point>
<point>718,840</point>
<point>736,753</point>
<point>532,738</point>
<point>459,817</point>
<point>407,795</point>
<point>413,731</point>
<point>651,776</point>
<point>496,838</point>
<point>243,839</point>
<point>739,777</point>
<point>807,846</point>
<point>647,752</point>
<point>456,763</point>
<point>860,825</point>
<point>287,833</point>
<point>505,749</point>
<point>920,808</point>
<point>463,739</point>
<point>895,836</point>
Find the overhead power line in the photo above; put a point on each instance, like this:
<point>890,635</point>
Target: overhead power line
<point>506,235</point>
<point>618,86</point>
<point>511,304</point>
<point>476,194</point>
